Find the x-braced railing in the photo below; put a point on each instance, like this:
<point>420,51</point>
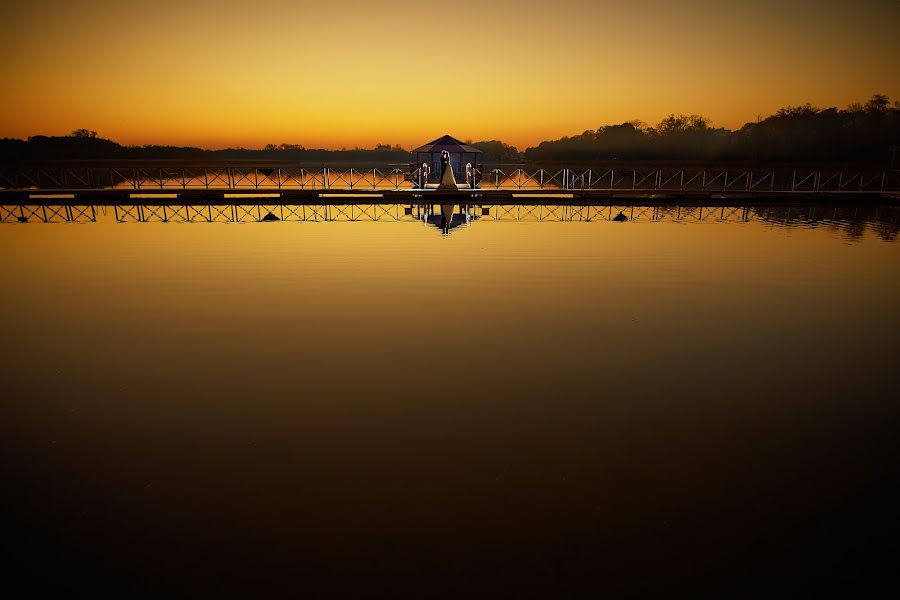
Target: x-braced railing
<point>662,179</point>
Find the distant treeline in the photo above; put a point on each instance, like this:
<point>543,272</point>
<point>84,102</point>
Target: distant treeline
<point>859,133</point>
<point>84,144</point>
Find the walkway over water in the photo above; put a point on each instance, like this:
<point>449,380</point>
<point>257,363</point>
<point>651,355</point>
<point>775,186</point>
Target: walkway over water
<point>118,181</point>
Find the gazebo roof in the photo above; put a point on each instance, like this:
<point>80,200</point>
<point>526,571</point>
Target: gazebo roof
<point>448,143</point>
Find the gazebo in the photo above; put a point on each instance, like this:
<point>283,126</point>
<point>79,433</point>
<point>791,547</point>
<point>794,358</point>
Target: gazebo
<point>460,155</point>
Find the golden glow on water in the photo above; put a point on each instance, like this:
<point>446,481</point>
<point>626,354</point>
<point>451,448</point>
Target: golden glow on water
<point>238,406</point>
<point>226,73</point>
<point>359,270</point>
<point>318,299</point>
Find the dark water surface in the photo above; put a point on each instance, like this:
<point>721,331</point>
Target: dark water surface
<point>520,407</point>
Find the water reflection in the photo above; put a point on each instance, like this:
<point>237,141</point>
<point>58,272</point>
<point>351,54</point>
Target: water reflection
<point>851,222</point>
<point>449,216</point>
<point>695,390</point>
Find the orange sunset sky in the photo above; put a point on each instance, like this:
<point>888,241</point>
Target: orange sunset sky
<point>356,73</point>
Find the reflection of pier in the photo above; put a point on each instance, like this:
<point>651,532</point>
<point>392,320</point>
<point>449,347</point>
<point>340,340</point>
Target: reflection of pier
<point>191,183</point>
<point>449,216</point>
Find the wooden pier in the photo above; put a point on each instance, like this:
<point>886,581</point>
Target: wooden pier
<point>115,183</point>
<point>472,197</point>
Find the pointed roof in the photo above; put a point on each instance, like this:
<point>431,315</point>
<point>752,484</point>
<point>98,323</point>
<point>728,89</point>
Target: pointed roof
<point>448,143</point>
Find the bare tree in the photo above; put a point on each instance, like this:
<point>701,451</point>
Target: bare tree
<point>84,133</point>
<point>878,104</point>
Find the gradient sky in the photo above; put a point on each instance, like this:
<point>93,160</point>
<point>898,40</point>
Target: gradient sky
<point>350,73</point>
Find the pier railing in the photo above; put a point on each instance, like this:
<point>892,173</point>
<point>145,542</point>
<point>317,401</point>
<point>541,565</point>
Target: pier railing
<point>885,219</point>
<point>720,180</point>
<point>262,179</point>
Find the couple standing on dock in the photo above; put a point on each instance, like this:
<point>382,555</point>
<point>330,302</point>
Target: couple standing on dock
<point>448,180</point>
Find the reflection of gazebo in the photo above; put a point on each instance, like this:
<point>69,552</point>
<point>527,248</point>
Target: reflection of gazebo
<point>460,155</point>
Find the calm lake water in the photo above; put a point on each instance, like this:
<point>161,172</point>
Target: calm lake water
<point>528,404</point>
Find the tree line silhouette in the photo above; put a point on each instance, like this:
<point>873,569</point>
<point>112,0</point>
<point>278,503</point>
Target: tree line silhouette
<point>859,133</point>
<point>85,144</point>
